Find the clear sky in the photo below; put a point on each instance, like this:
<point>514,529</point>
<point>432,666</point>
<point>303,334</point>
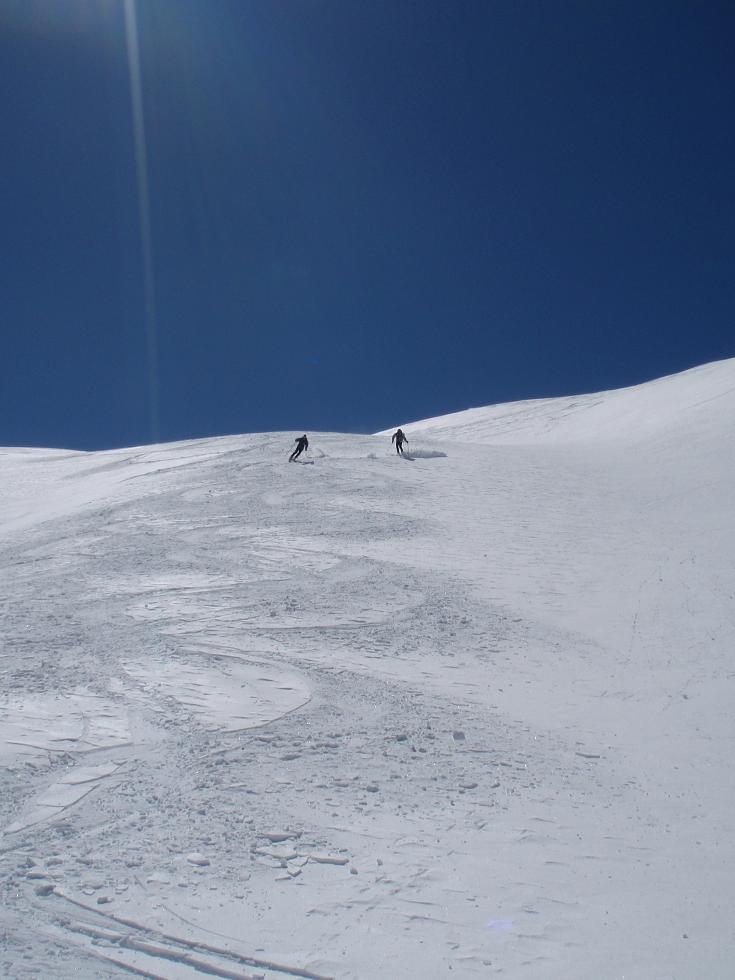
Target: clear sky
<point>361,211</point>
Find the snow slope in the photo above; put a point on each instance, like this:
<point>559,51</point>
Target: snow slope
<point>678,405</point>
<point>460,715</point>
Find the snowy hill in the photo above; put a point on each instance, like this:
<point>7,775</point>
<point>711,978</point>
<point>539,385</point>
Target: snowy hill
<point>464,714</point>
<point>681,403</point>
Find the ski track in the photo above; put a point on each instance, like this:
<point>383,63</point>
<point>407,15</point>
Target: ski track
<point>469,717</point>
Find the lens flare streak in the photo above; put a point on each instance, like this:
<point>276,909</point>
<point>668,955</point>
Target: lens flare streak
<point>144,213</point>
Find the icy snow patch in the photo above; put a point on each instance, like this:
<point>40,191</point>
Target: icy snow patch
<point>79,721</point>
<point>60,795</point>
<point>227,696</point>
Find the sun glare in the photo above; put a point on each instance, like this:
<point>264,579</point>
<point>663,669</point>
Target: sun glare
<point>144,211</point>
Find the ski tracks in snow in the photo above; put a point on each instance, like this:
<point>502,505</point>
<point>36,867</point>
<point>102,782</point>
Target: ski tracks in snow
<point>303,702</point>
<point>280,730</point>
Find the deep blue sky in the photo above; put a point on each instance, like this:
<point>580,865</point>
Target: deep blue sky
<point>363,211</point>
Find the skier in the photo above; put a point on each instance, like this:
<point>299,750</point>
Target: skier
<point>301,445</point>
<point>399,437</point>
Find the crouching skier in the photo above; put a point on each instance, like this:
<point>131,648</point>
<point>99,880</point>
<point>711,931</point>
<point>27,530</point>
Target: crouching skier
<point>301,444</point>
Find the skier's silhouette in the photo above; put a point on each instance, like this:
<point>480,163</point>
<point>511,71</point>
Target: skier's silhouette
<point>301,445</point>
<point>399,437</point>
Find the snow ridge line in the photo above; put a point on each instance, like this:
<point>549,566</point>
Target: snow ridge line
<point>151,947</point>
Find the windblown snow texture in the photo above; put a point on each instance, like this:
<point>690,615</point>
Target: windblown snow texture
<point>467,717</point>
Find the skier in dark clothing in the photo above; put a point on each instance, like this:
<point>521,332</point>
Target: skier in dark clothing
<point>399,438</point>
<point>301,445</point>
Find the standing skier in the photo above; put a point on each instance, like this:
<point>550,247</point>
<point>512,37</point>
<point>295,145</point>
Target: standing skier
<point>399,437</point>
<point>301,445</point>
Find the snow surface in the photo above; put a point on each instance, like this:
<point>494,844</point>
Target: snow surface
<point>468,717</point>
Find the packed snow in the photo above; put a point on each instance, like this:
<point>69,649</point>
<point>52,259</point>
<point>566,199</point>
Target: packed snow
<point>466,713</point>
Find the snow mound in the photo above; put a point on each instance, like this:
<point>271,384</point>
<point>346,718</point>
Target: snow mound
<point>426,454</point>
